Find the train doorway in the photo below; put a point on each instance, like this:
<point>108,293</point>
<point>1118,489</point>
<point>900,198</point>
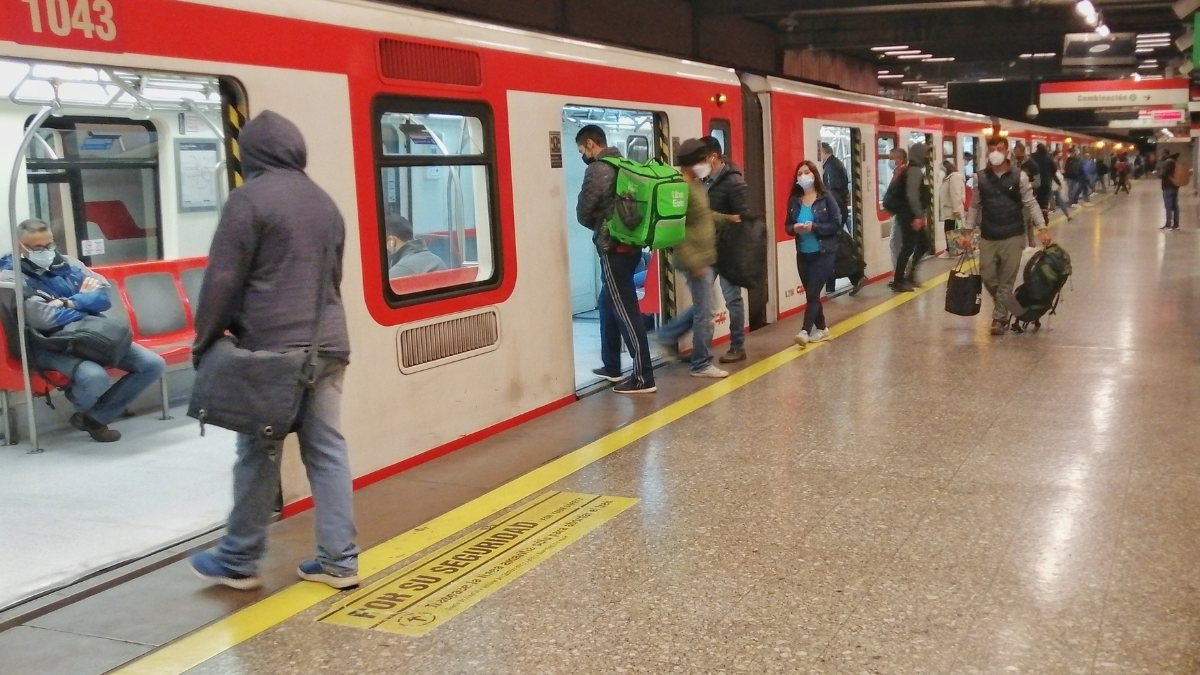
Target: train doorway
<point>632,132</point>
<point>841,140</point>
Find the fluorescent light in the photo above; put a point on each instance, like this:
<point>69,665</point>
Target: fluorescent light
<point>1025,56</point>
<point>1045,55</point>
<point>939,59</point>
<point>884,72</point>
<point>1137,77</point>
<point>892,48</point>
<point>1148,65</point>
<point>1142,50</point>
<point>1085,8</point>
<point>902,52</point>
<point>908,82</point>
<point>1153,35</point>
<point>1103,31</point>
<point>914,57</point>
<point>990,79</point>
<point>892,76</point>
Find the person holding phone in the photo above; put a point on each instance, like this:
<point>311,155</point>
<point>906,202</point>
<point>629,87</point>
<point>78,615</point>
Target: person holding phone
<point>814,219</point>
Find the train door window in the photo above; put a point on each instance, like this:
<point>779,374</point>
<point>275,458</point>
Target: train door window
<point>638,148</point>
<point>970,148</point>
<point>635,129</point>
<point>915,137</point>
<point>949,151</point>
<point>437,184</point>
<point>722,131</point>
<point>885,143</point>
<point>840,141</point>
<point>133,166</point>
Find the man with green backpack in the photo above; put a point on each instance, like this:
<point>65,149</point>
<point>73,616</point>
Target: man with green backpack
<point>620,316</point>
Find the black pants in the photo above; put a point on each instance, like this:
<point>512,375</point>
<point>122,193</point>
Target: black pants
<point>832,285</point>
<point>912,249</point>
<point>621,318</point>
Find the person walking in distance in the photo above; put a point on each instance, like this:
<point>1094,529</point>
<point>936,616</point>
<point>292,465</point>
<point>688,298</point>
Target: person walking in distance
<point>278,247</point>
<point>953,197</point>
<point>728,194</point>
<point>1003,203</point>
<point>1047,173</point>
<point>905,201</point>
<point>813,219</point>
<point>620,316</point>
<point>1170,191</point>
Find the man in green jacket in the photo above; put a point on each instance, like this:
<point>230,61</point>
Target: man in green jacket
<point>696,255</point>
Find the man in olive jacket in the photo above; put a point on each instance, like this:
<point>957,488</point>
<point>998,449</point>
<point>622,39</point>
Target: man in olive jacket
<point>277,249</point>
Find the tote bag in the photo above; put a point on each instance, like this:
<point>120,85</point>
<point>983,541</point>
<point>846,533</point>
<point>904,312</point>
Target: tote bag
<point>964,290</point>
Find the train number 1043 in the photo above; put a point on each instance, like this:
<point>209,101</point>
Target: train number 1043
<point>94,18</point>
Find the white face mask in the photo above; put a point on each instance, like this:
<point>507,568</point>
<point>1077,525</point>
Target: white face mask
<point>996,157</point>
<point>702,170</point>
<point>42,259</point>
<point>805,181</point>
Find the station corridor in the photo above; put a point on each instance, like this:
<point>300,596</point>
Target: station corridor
<point>915,496</point>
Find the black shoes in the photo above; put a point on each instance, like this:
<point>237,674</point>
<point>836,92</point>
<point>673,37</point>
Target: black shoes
<point>901,287</point>
<point>858,286</point>
<point>99,432</point>
<point>631,387</point>
<point>733,356</point>
<point>608,375</point>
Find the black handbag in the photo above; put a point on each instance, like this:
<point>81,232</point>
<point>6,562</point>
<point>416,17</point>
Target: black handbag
<point>257,393</point>
<point>742,252</point>
<point>92,338</point>
<point>964,290</point>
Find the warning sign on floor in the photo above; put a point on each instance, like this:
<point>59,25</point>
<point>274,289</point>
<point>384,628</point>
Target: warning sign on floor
<point>430,591</point>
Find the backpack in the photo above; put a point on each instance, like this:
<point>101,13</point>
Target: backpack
<point>1181,175</point>
<point>1045,274</point>
<point>651,204</point>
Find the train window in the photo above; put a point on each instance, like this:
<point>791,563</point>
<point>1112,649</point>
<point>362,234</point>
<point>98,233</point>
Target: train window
<point>915,137</point>
<point>970,146</point>
<point>638,148</point>
<point>437,198</point>
<point>132,165</point>
<point>722,131</point>
<point>949,151</point>
<point>840,140</point>
<point>886,142</point>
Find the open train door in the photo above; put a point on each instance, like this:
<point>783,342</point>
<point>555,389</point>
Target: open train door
<point>754,160</point>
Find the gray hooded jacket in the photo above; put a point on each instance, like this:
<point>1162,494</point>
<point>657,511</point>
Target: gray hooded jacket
<point>915,176</point>
<point>278,232</point>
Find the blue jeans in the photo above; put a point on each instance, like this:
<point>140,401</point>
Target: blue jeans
<point>90,391</point>
<point>621,318</point>
<point>1171,205</point>
<point>1078,189</point>
<point>327,463</point>
<point>698,319</point>
<point>816,269</point>
<point>737,314</point>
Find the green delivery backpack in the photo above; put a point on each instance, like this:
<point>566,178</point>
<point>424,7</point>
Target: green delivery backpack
<point>651,204</point>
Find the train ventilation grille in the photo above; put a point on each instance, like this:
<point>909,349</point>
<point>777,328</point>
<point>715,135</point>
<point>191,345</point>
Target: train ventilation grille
<point>403,60</point>
<point>446,340</point>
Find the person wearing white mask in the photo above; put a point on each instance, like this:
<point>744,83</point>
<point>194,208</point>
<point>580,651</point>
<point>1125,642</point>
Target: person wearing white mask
<point>814,220</point>
<point>697,255</point>
<point>60,290</point>
<point>1004,201</point>
<point>952,197</point>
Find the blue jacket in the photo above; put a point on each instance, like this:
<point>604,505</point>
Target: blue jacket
<point>827,221</point>
<point>61,282</point>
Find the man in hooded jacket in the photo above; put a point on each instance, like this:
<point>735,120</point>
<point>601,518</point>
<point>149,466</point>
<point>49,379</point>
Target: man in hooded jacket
<point>277,249</point>
<point>908,206</point>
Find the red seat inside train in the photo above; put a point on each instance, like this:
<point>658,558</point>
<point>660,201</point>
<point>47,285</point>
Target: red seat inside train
<point>114,220</point>
<point>431,280</point>
<point>156,300</point>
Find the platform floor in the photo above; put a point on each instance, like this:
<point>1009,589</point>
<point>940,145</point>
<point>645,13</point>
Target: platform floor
<point>913,497</point>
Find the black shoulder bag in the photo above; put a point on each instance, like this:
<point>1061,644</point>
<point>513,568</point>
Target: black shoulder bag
<point>257,393</point>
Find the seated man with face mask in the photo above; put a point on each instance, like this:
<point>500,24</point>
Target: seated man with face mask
<point>408,255</point>
<point>60,290</point>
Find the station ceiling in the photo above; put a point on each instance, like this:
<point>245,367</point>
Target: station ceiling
<point>985,38</point>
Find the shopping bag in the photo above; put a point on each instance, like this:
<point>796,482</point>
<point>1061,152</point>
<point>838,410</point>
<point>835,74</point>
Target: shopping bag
<point>964,290</point>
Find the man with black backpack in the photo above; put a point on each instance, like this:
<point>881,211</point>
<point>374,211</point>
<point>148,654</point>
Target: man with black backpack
<point>620,316</point>
<point>727,194</point>
<point>1003,202</point>
<point>907,200</point>
<point>60,291</point>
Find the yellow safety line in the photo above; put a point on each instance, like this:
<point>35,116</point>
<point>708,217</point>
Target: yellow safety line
<point>202,645</point>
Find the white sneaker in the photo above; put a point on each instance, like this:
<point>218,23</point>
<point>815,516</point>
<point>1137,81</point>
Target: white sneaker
<point>820,335</point>
<point>710,371</point>
<point>801,338</point>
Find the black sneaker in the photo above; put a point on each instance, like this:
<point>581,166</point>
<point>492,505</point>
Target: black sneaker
<point>733,356</point>
<point>858,286</point>
<point>99,432</point>
<point>631,387</point>
<point>607,374</point>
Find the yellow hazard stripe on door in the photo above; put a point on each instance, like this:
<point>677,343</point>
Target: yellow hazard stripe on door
<point>434,589</point>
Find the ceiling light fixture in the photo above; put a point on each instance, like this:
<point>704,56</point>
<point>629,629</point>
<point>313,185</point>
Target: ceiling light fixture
<point>911,82</point>
<point>1025,56</point>
<point>914,57</point>
<point>1103,31</point>
<point>939,59</point>
<point>1045,55</point>
<point>1102,47</point>
<point>1142,36</point>
<point>1142,50</point>
<point>901,52</point>
<point>1148,65</point>
<point>1085,8</point>
<point>892,76</point>
<point>890,48</point>
<point>1137,77</point>
<point>990,79</point>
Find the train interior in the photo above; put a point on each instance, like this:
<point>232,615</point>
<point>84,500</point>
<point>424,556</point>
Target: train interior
<point>841,140</point>
<point>128,168</point>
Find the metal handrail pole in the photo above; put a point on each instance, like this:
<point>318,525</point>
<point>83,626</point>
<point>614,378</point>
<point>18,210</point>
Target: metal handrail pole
<point>18,277</point>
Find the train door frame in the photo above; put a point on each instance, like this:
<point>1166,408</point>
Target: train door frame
<point>881,155</point>
<point>763,307</point>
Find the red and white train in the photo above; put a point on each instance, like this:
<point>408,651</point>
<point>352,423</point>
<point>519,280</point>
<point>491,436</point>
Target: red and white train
<point>464,128</point>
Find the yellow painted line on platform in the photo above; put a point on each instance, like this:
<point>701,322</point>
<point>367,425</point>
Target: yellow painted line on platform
<point>441,585</point>
<point>235,629</point>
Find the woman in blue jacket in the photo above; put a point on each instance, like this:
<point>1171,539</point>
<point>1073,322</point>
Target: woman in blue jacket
<point>814,219</point>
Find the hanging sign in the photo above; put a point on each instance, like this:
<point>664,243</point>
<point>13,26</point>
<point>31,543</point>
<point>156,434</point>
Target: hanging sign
<point>1113,93</point>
